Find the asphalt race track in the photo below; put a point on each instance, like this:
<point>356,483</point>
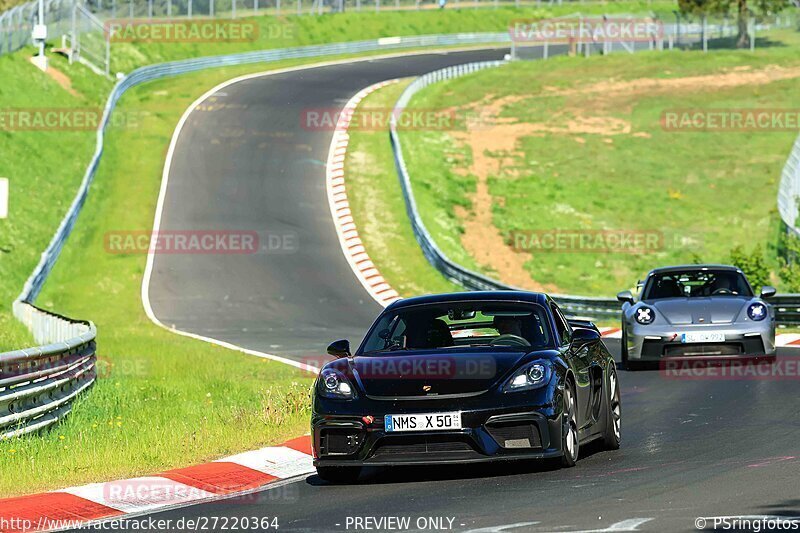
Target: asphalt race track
<point>691,448</point>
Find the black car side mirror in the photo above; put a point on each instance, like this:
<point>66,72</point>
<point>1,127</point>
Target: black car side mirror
<point>582,337</point>
<point>767,291</point>
<point>340,348</point>
<point>625,296</point>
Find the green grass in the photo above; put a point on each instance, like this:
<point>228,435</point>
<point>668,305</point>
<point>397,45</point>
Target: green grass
<point>706,191</point>
<point>285,31</point>
<point>372,188</point>
<point>162,400</point>
<point>44,169</point>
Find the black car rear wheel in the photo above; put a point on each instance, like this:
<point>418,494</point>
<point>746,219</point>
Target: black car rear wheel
<point>611,435</point>
<point>339,474</point>
<point>569,428</point>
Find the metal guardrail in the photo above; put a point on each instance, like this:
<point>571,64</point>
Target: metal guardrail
<point>16,24</point>
<point>37,385</point>
<point>787,306</point>
<point>789,190</point>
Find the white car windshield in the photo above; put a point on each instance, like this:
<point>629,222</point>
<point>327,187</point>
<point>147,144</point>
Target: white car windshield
<point>696,284</point>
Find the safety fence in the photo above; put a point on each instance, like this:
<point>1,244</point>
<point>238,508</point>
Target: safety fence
<point>62,19</point>
<point>787,306</point>
<point>37,385</point>
<point>789,190</point>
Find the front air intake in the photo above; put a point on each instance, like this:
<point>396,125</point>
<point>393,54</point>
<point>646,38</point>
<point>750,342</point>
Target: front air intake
<point>515,434</point>
<point>340,441</point>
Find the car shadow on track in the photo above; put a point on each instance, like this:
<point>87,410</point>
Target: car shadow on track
<point>416,474</point>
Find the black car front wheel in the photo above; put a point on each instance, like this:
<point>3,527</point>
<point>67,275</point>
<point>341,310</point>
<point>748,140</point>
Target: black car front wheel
<point>339,474</point>
<point>569,428</point>
<point>611,434</point>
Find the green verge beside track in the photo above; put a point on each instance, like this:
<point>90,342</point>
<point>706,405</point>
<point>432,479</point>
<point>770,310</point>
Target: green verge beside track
<point>376,202</point>
<point>162,401</point>
<point>705,191</point>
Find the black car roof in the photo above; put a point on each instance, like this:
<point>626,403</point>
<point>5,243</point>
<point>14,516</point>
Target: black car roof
<point>471,296</point>
<point>678,268</point>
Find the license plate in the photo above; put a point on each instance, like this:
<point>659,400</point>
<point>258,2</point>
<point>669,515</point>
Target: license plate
<point>423,422</point>
<point>702,337</point>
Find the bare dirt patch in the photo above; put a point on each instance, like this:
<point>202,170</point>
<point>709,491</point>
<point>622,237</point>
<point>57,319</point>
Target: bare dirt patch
<point>62,79</point>
<point>584,110</point>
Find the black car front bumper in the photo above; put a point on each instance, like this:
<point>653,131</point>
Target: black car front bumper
<point>513,430</point>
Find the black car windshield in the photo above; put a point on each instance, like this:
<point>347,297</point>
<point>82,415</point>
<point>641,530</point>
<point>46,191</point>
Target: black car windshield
<point>447,326</point>
<point>696,283</point>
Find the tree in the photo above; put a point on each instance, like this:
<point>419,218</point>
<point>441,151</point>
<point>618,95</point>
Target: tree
<point>752,264</point>
<point>742,9</point>
<point>790,267</point>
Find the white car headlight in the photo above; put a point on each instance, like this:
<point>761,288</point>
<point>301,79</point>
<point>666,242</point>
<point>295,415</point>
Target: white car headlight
<point>333,384</point>
<point>644,315</point>
<point>757,311</point>
<point>530,376</point>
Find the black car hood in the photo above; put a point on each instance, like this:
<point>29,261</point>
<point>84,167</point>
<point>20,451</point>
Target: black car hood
<point>433,373</point>
<point>711,310</point>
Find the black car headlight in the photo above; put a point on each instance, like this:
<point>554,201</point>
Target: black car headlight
<point>530,376</point>
<point>334,384</point>
<point>645,315</point>
<point>757,311</point>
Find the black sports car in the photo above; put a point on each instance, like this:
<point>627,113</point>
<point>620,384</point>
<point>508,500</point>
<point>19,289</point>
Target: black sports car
<point>465,377</point>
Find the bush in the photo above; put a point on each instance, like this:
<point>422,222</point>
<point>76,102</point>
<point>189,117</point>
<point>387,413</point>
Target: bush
<point>753,265</point>
<point>790,268</point>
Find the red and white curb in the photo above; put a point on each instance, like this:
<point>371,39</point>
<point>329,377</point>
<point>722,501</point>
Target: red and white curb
<point>611,333</point>
<point>351,244</point>
<point>242,473</point>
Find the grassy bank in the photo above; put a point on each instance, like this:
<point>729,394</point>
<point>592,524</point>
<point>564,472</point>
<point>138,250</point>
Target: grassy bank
<point>44,168</point>
<point>373,187</point>
<point>286,31</point>
<point>162,401</point>
<point>577,144</point>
